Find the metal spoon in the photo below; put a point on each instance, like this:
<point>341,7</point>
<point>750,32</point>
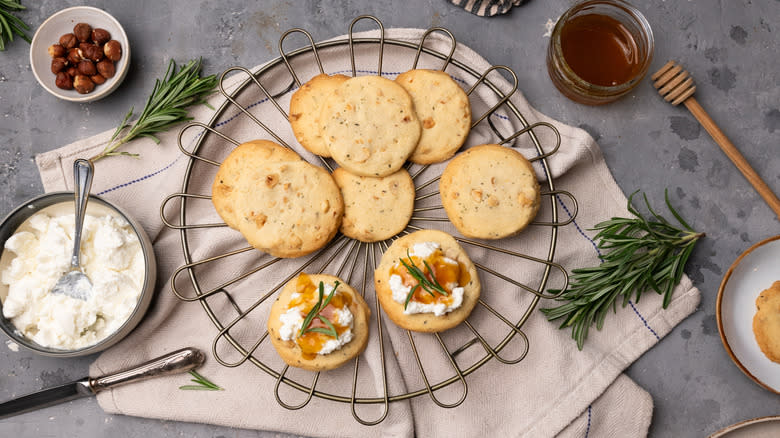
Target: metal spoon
<point>75,283</point>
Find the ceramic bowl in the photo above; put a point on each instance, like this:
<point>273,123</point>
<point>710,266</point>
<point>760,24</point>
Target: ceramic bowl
<point>12,222</point>
<point>61,23</point>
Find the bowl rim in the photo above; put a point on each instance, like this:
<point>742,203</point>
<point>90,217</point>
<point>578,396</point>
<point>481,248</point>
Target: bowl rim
<point>147,291</point>
<point>96,95</point>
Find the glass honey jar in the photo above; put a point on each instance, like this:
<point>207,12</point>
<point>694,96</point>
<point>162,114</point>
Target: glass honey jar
<point>599,51</point>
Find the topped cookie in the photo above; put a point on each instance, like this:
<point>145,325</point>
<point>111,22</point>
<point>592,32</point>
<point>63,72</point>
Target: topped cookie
<point>226,184</point>
<point>318,322</point>
<point>369,126</point>
<point>305,108</point>
<point>375,208</point>
<point>444,112</point>
<point>426,282</point>
<point>489,192</point>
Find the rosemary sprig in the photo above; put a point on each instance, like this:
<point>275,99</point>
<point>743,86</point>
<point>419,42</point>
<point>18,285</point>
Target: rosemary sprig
<point>315,313</point>
<point>429,286</point>
<point>644,253</point>
<point>203,384</point>
<point>165,107</point>
<point>11,24</point>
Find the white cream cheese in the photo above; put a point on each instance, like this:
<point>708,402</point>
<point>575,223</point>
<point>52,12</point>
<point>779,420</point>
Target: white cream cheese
<point>400,291</point>
<point>292,321</point>
<point>111,257</point>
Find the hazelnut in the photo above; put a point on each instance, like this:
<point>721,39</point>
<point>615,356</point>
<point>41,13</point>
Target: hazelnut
<point>72,71</point>
<point>74,56</point>
<point>91,51</point>
<point>98,79</point>
<point>113,50</point>
<point>56,51</point>
<point>83,84</point>
<point>87,68</point>
<point>100,36</point>
<point>68,41</point>
<point>83,31</point>
<point>106,68</point>
<point>58,65</point>
<point>63,81</point>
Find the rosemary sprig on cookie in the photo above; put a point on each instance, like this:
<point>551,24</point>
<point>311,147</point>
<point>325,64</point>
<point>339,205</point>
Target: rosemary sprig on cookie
<point>315,313</point>
<point>10,24</point>
<point>203,384</point>
<point>429,286</point>
<point>165,107</point>
<point>644,253</point>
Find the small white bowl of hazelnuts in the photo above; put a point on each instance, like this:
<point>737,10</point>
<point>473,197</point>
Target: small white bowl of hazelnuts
<point>80,54</point>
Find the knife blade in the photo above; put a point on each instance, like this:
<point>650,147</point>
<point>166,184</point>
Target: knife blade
<point>176,362</point>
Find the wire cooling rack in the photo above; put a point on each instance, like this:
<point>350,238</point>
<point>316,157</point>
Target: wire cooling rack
<point>353,260</point>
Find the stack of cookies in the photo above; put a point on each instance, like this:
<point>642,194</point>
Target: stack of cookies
<point>371,126</point>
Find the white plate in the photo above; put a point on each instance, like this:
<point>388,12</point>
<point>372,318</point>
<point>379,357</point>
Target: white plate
<point>755,270</point>
<point>764,427</point>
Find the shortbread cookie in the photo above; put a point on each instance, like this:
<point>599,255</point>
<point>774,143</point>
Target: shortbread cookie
<point>375,208</point>
<point>281,204</point>
<point>489,192</point>
<point>453,270</point>
<point>444,112</point>
<point>225,184</point>
<point>305,108</point>
<point>766,323</point>
<point>369,126</point>
<point>347,312</point>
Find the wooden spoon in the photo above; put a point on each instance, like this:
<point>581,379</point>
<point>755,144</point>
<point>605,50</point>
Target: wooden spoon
<point>676,86</point>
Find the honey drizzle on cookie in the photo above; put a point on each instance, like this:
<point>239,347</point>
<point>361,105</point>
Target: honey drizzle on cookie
<point>310,342</point>
<point>449,275</point>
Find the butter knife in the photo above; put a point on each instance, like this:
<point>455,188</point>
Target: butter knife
<point>172,363</point>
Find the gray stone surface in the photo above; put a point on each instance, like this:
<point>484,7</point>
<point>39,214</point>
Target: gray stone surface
<point>731,48</point>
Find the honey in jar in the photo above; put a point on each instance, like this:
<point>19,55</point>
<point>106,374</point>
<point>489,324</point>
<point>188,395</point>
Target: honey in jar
<point>599,51</point>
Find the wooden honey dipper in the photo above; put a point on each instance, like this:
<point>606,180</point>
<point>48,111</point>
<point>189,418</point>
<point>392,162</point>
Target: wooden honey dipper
<point>676,86</point>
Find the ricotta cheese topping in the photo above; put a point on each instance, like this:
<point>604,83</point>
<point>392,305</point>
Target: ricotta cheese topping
<point>112,258</point>
<point>292,320</point>
<point>400,291</point>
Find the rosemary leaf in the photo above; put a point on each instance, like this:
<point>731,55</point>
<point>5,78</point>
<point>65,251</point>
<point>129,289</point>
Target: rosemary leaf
<point>203,384</point>
<point>10,24</point>
<point>315,312</point>
<point>423,282</point>
<point>641,254</point>
<point>166,106</point>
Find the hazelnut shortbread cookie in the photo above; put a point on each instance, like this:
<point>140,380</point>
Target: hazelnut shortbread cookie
<point>444,112</point>
<point>305,108</point>
<point>369,126</point>
<point>489,192</point>
<point>375,208</point>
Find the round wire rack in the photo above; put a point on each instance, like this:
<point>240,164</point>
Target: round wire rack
<point>353,260</point>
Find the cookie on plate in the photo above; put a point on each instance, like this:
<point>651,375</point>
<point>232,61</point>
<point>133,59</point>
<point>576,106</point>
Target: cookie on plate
<point>422,308</point>
<point>305,108</point>
<point>766,322</point>
<point>369,126</point>
<point>375,208</point>
<point>319,349</point>
<point>226,183</point>
<point>444,112</point>
<point>489,192</point>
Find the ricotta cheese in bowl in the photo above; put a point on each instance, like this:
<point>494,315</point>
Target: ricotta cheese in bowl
<point>115,255</point>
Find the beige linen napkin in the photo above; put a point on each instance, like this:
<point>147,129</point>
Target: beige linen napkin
<point>556,389</point>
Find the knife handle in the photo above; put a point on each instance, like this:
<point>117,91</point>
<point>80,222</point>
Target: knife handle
<point>173,363</point>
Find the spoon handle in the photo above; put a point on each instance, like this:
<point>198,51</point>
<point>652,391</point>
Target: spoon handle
<point>82,178</point>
